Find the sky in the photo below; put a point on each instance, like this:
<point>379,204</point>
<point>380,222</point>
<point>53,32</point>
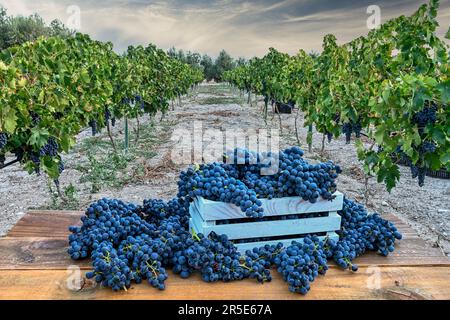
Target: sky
<point>244,28</point>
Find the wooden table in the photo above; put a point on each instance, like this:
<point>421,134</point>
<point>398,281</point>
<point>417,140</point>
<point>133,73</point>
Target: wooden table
<point>34,265</point>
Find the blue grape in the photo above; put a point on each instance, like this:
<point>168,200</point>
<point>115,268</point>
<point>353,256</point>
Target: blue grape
<point>347,129</point>
<point>3,140</point>
<point>50,149</point>
<point>93,125</point>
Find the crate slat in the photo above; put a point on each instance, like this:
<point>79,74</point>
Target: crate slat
<point>214,211</point>
<point>242,247</point>
<point>269,228</point>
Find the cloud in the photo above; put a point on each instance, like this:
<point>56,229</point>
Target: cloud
<point>242,27</point>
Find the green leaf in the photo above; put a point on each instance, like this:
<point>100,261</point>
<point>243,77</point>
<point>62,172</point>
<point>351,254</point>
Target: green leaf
<point>386,95</point>
<point>10,122</point>
<point>50,167</point>
<point>41,96</point>
<point>390,175</point>
<point>445,158</point>
<point>379,135</point>
<point>38,137</point>
<point>444,89</point>
<point>438,135</point>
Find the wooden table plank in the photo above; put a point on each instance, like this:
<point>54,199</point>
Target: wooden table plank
<point>36,253</point>
<point>51,253</point>
<point>54,224</point>
<point>394,283</point>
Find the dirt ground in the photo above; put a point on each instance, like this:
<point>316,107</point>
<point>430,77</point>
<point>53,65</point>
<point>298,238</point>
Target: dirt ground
<point>154,174</point>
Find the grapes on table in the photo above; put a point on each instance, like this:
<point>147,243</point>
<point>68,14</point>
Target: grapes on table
<point>130,243</point>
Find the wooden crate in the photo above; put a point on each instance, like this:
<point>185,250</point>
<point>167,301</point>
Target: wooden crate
<point>208,216</point>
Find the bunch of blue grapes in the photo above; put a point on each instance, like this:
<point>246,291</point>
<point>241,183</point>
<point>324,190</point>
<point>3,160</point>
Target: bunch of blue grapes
<point>360,232</point>
<point>3,140</point>
<point>211,181</point>
<point>241,180</point>
<point>295,177</point>
<point>329,136</point>
<point>139,101</point>
<point>351,127</point>
<point>158,211</point>
<point>35,158</point>
<point>217,259</point>
<point>418,170</point>
<point>347,129</point>
<point>301,263</point>
<point>426,116</point>
<point>107,115</point>
<point>357,128</point>
<point>35,118</point>
<point>94,128</point>
<point>106,220</point>
<point>427,147</point>
<point>110,269</point>
<point>50,148</point>
<point>142,255</point>
<point>380,234</point>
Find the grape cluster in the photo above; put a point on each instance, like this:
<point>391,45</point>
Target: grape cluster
<point>107,115</point>
<point>418,170</point>
<point>360,232</point>
<point>3,140</point>
<point>134,243</point>
<point>357,128</point>
<point>301,263</point>
<point>35,118</point>
<point>93,125</point>
<point>427,147</point>
<point>240,180</point>
<point>329,136</point>
<point>36,159</point>
<point>426,116</point>
<point>217,259</point>
<point>139,101</point>
<point>106,220</point>
<point>50,149</point>
<point>349,128</point>
<point>212,181</point>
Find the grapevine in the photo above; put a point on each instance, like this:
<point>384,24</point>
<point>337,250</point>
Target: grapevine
<point>395,99</point>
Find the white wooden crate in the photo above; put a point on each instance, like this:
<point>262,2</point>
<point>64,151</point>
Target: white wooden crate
<point>206,216</point>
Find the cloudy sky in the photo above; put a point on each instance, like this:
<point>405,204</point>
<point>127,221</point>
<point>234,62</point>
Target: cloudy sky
<point>242,27</point>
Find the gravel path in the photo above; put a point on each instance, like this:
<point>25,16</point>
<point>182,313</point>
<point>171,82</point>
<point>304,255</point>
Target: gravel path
<point>426,209</point>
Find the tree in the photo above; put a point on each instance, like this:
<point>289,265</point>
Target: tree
<point>208,67</point>
<point>224,62</point>
<point>241,62</point>
<point>17,30</point>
